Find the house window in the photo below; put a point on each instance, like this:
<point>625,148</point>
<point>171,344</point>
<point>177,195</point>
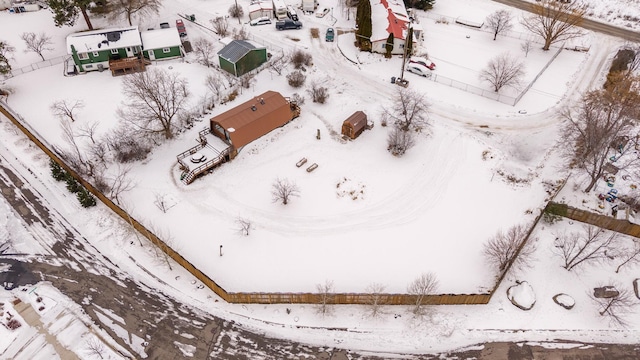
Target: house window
<point>96,54</point>
<point>166,50</point>
<point>83,56</point>
<point>114,51</point>
<point>401,46</point>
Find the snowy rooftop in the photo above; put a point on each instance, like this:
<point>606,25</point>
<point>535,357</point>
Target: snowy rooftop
<point>160,38</point>
<point>104,39</point>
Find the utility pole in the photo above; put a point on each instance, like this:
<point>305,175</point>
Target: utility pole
<point>238,13</point>
<point>404,52</point>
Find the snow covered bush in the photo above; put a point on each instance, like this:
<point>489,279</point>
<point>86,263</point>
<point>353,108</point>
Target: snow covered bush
<point>398,141</point>
<point>296,78</point>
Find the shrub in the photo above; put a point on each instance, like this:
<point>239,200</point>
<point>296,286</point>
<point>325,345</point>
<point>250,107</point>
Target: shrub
<point>85,198</point>
<point>319,94</point>
<point>315,33</point>
<point>298,99</point>
<point>399,141</point>
<point>296,79</point>
<point>13,324</point>
<point>57,172</point>
<point>300,58</point>
<point>127,147</point>
<point>72,185</point>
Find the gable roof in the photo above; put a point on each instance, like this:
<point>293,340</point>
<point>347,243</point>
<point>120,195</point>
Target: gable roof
<point>104,39</point>
<point>254,118</point>
<point>388,17</point>
<point>160,38</point>
<point>236,50</point>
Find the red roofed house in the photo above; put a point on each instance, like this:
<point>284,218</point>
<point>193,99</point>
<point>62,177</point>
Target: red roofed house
<point>388,17</point>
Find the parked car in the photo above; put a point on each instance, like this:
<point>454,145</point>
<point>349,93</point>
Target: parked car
<point>260,21</point>
<point>164,25</point>
<point>418,69</point>
<point>322,12</point>
<point>329,35</point>
<point>181,29</point>
<point>422,61</point>
<point>287,24</point>
<point>291,13</point>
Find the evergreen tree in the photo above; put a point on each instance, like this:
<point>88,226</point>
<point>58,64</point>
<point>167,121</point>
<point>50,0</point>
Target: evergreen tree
<point>5,53</point>
<point>420,4</point>
<point>388,46</point>
<point>363,21</point>
<point>65,12</point>
<point>57,171</point>
<point>72,185</point>
<point>85,198</point>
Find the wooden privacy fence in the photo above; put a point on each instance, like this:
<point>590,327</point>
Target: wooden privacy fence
<point>602,221</point>
<point>240,297</point>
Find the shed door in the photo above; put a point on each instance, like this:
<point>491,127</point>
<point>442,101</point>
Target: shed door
<point>129,51</point>
<point>152,56</point>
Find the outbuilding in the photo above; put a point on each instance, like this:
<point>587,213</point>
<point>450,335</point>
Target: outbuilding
<point>253,119</point>
<point>354,125</point>
<point>261,9</point>
<point>161,44</point>
<point>240,56</point>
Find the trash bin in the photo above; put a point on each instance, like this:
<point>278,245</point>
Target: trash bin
<point>192,17</point>
<point>393,79</point>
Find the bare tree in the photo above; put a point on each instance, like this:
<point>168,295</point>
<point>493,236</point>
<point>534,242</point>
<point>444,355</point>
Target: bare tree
<point>631,255</point>
<point>601,119</point>
<point>220,26</point>
<point>161,202</point>
<point>161,250</point>
<point>120,183</point>
<point>319,94</point>
<point>555,21</point>
<point>215,84</point>
<point>236,11</point>
<point>132,9</point>
<point>616,308</point>
<point>375,299</point>
<point>154,98</point>
<point>240,34</point>
<point>409,110</point>
<point>88,130</point>
<point>283,190</point>
<point>76,158</point>
<point>204,51</point>
<point>244,226</point>
<point>510,249</point>
<point>499,22</point>
<point>246,80</point>
<point>503,70</point>
<point>296,78</point>
<point>66,109</point>
<point>301,58</point>
<point>399,141</point>
<point>424,285</point>
<point>525,46</point>
<point>325,297</point>
<point>278,62</point>
<point>37,43</point>
<point>95,347</point>
<point>589,245</point>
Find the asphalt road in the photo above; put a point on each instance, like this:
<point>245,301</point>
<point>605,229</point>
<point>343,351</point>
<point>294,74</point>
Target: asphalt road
<point>588,24</point>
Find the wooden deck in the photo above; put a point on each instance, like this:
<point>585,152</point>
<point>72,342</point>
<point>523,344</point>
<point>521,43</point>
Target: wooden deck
<point>127,65</point>
<point>214,150</point>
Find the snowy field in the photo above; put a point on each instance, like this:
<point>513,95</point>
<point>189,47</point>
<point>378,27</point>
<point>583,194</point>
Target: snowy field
<point>415,214</point>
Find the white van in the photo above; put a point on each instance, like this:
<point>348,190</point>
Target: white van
<point>291,13</point>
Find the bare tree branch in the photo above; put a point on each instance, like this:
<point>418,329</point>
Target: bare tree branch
<point>503,70</point>
<point>409,110</point>
<point>424,285</point>
<point>589,245</point>
<point>505,250</point>
<point>555,21</point>
<point>37,43</point>
<point>283,190</point>
<point>325,297</point>
<point>375,300</point>
<point>499,22</point>
<point>66,109</point>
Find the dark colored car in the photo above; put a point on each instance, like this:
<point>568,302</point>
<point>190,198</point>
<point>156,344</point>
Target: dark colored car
<point>329,35</point>
<point>287,24</point>
<point>164,25</point>
<point>181,29</point>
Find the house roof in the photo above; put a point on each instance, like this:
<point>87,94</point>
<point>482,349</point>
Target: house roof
<point>260,6</point>
<point>160,38</point>
<point>236,50</point>
<point>357,120</point>
<point>106,39</point>
<point>388,16</point>
<point>254,118</point>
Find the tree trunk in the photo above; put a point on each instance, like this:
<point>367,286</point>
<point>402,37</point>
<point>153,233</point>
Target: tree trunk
<point>547,44</point>
<point>591,185</point>
<point>86,17</point>
<point>41,56</point>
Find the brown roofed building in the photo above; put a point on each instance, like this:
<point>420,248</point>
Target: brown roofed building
<point>253,119</point>
<point>354,125</point>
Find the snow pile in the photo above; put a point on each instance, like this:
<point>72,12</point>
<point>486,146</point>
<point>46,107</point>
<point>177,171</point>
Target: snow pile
<point>565,301</point>
<point>522,295</point>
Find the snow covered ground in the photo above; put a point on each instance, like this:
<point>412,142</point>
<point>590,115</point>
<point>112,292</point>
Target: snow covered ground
<point>415,214</point>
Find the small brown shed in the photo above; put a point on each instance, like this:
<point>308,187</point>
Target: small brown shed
<point>354,125</point>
